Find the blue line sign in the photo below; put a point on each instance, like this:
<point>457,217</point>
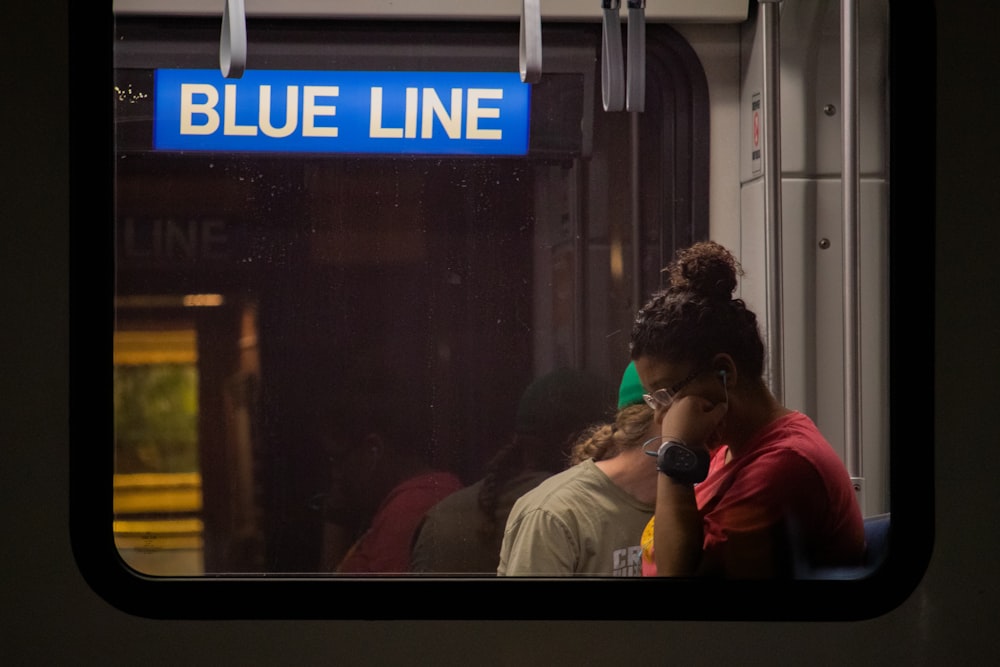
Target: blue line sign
<point>442,113</point>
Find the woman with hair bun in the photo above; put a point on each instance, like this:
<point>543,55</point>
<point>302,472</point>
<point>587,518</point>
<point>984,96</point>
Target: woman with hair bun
<point>748,487</point>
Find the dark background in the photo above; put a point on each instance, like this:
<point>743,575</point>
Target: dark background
<point>51,616</point>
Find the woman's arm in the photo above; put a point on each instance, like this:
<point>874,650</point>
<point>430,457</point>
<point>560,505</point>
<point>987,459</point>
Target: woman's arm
<point>678,533</point>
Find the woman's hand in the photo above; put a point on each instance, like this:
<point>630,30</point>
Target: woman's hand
<point>692,419</point>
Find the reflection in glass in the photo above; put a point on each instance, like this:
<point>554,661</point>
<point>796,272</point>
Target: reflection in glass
<point>475,275</point>
<point>157,482</point>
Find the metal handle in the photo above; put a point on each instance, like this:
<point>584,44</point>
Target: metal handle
<point>233,42</point>
<point>635,95</point>
<point>530,52</point>
<point>612,60</point>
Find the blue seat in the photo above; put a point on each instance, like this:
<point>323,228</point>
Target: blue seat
<point>876,548</point>
<point>876,540</point>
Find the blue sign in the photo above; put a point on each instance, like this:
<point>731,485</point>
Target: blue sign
<point>437,113</point>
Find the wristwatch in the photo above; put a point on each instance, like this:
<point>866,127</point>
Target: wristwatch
<point>688,465</point>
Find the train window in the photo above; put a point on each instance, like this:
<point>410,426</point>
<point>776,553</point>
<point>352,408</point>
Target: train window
<point>476,272</point>
<point>380,227</point>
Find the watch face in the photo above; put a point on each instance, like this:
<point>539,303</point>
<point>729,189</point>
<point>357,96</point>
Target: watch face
<point>680,458</point>
<point>683,463</point>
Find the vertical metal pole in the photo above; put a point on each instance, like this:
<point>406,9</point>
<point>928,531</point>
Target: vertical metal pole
<point>636,218</point>
<point>770,33</point>
<point>849,211</point>
<point>580,245</point>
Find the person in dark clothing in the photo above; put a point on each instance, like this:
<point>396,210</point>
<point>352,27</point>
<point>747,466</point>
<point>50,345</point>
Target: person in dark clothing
<point>463,533</point>
<point>376,432</point>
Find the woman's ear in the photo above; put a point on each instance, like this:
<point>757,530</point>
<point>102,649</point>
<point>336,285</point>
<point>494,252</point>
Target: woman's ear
<point>725,369</point>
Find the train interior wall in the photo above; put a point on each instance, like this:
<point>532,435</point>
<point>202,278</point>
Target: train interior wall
<point>811,237</point>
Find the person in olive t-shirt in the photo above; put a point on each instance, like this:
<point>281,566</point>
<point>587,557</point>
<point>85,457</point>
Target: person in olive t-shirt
<point>588,519</point>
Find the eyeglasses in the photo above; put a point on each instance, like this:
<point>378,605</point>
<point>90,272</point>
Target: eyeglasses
<point>662,398</point>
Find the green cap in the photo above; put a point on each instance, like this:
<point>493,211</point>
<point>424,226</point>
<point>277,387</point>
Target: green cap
<point>630,392</point>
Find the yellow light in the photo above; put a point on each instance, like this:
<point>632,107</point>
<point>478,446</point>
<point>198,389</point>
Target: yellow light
<point>617,261</point>
<point>202,300</point>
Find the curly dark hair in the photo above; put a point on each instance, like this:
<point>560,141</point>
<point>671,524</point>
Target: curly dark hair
<point>695,316</point>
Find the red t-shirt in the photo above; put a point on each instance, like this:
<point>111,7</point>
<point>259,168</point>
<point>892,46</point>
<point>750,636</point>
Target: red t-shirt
<point>790,482</point>
<point>385,546</point>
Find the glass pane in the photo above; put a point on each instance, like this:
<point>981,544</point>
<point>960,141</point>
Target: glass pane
<point>157,482</point>
<point>360,320</point>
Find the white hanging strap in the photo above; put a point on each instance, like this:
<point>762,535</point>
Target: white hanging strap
<point>233,43</point>
<point>531,41</point>
<point>612,60</point>
<point>635,95</point>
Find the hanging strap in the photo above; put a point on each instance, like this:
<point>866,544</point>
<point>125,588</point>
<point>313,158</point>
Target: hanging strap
<point>531,41</point>
<point>613,66</point>
<point>233,43</point>
<point>635,95</point>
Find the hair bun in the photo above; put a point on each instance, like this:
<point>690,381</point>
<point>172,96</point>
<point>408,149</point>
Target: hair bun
<point>707,269</point>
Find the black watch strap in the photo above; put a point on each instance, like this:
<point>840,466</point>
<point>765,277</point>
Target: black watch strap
<point>679,462</point>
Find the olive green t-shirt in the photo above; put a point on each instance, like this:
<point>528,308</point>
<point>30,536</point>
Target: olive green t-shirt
<point>577,522</point>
